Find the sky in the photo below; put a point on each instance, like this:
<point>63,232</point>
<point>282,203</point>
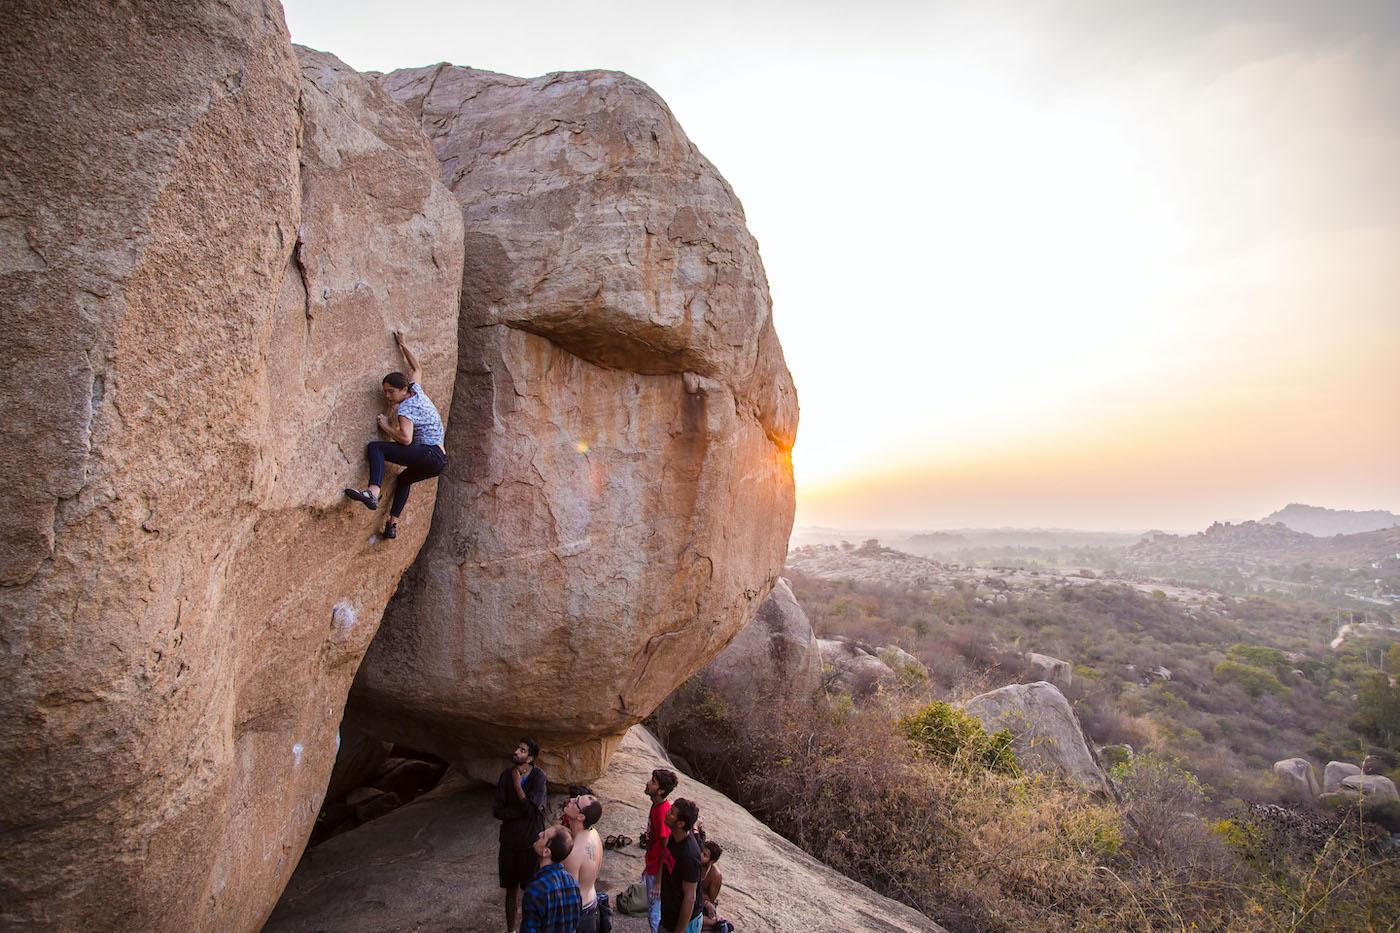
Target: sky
<point>1093,264</point>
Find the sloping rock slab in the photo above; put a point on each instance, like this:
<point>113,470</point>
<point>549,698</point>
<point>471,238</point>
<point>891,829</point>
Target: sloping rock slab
<point>432,866</point>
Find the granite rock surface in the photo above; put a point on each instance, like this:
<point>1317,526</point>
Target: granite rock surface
<point>207,240</point>
<point>620,494</point>
<point>431,865</point>
<point>1046,734</point>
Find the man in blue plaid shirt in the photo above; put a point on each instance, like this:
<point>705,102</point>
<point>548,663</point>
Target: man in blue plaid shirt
<point>551,899</point>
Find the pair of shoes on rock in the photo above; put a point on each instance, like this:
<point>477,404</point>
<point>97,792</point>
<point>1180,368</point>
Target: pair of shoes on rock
<point>617,842</point>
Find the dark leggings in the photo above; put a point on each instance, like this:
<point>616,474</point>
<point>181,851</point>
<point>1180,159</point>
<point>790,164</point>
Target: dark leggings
<point>423,462</point>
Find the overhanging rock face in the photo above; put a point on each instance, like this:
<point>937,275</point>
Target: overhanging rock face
<point>620,494</point>
<point>207,243</point>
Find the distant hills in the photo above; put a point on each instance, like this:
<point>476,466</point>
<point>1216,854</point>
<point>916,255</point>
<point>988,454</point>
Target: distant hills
<point>1263,543</point>
<point>1324,523</point>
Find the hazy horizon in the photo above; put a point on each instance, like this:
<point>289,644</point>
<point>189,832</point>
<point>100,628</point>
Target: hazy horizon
<point>1056,264</point>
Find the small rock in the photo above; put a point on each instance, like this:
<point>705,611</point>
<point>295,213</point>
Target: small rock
<point>360,795</point>
<point>410,778</point>
<point>1114,755</point>
<point>1371,787</point>
<point>376,806</point>
<point>848,668</point>
<point>1333,774</point>
<point>1049,669</point>
<point>1300,775</point>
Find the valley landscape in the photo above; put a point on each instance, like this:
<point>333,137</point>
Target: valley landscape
<point>1208,709</point>
<point>1006,638</point>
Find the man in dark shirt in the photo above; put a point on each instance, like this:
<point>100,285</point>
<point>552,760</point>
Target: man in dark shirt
<point>551,902</point>
<point>680,871</point>
<point>519,805</point>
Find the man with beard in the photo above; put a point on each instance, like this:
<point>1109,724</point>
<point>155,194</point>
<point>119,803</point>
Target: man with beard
<point>519,805</point>
<point>585,859</point>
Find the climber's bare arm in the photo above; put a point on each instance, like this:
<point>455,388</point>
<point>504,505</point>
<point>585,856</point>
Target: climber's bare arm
<point>414,373</point>
<point>397,427</point>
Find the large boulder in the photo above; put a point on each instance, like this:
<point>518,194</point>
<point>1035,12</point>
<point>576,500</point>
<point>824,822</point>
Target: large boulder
<point>776,651</point>
<point>1333,774</point>
<point>1045,732</point>
<point>1299,776</point>
<point>431,865</point>
<point>204,248</point>
<point>1049,669</point>
<point>775,655</point>
<point>621,492</point>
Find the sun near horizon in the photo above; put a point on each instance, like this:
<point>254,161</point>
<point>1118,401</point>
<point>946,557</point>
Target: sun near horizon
<point>1033,263</point>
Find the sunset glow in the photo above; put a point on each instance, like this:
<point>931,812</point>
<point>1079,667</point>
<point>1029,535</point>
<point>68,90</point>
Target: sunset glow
<point>1086,265</point>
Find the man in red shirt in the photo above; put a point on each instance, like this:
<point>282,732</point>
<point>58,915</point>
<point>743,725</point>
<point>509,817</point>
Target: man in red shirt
<point>663,781</point>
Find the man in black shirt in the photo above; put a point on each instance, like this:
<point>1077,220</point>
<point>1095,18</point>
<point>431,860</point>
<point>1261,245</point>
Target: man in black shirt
<point>680,871</point>
<point>519,805</point>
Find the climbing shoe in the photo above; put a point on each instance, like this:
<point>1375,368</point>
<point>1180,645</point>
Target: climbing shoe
<point>391,530</point>
<point>370,500</point>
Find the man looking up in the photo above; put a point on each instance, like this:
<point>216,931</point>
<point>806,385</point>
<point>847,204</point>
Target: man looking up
<point>519,805</point>
<point>586,857</point>
<point>680,871</point>
<point>663,781</point>
<point>551,898</point>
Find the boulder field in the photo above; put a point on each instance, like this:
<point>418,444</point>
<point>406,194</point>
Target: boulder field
<point>208,237</point>
<point>208,240</point>
<point>620,494</point>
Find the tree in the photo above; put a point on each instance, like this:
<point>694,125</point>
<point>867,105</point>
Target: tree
<point>1378,711</point>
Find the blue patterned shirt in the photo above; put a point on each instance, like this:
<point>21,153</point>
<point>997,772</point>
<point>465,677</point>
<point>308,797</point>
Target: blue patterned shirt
<point>550,903</point>
<point>427,423</point>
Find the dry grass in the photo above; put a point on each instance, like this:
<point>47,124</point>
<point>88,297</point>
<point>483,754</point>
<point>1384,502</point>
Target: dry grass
<point>978,850</point>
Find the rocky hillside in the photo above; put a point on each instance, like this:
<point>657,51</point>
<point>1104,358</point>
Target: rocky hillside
<point>1324,523</point>
<point>1260,545</point>
<point>209,237</point>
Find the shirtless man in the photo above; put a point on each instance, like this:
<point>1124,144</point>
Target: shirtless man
<point>586,858</point>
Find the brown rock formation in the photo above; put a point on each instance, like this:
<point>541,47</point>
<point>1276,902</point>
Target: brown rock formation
<point>203,254</point>
<point>431,865</point>
<point>621,492</point>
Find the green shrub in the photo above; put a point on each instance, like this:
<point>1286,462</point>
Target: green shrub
<point>1238,835</point>
<point>1253,680</point>
<point>948,734</point>
<point>1259,656</point>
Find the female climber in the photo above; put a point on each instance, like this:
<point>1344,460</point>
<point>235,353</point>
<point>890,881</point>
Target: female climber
<point>416,431</point>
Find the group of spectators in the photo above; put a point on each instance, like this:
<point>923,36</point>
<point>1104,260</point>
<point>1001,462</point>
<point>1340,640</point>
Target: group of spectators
<point>550,872</point>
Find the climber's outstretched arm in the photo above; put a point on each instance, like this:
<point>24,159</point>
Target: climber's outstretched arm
<point>414,373</point>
